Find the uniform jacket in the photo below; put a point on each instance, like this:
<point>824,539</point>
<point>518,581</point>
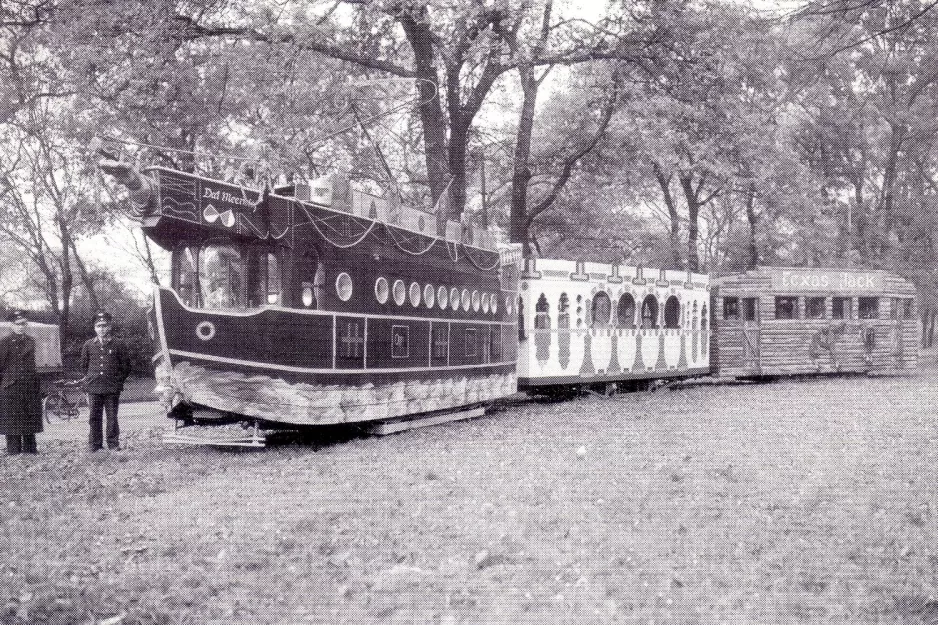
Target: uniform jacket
<point>17,359</point>
<point>20,409</point>
<point>106,365</point>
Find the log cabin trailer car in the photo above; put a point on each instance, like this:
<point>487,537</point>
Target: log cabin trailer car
<point>778,321</point>
<point>314,306</point>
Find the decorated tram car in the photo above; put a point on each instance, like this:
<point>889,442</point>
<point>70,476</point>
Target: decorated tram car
<point>776,321</point>
<point>609,326</point>
<point>317,305</point>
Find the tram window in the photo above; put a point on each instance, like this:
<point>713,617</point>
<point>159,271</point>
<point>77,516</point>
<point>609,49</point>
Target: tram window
<point>868,307</point>
<point>786,307</point>
<point>306,295</point>
<point>625,311</point>
<point>221,276</point>
<point>310,276</point>
<point>841,308</point>
<point>602,309</point>
<point>749,308</point>
<point>187,274</point>
<point>672,310</point>
<point>650,312</point>
<point>731,308</point>
<point>814,308</point>
<point>268,278</point>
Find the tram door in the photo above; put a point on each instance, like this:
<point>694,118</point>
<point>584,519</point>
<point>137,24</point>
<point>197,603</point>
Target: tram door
<point>750,315</point>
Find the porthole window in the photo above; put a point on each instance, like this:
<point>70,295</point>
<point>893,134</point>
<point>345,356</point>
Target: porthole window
<point>429,296</point>
<point>475,301</point>
<point>400,292</point>
<point>441,297</point>
<point>382,290</point>
<point>485,302</point>
<point>343,286</point>
<point>454,298</point>
<point>466,300</point>
<point>414,294</point>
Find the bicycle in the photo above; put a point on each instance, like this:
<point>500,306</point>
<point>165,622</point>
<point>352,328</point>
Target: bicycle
<point>65,401</point>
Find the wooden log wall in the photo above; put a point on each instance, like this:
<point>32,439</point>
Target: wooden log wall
<point>805,346</point>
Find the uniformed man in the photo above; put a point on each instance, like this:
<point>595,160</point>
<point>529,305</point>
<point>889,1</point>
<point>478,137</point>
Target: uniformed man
<point>106,363</point>
<point>20,409</point>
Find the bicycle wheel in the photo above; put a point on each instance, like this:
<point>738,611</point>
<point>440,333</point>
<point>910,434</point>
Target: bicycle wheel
<point>51,405</point>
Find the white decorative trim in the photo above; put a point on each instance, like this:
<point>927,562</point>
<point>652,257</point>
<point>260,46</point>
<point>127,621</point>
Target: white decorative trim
<point>365,370</point>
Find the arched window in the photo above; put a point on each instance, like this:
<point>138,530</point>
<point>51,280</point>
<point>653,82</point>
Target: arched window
<point>602,309</point>
<point>672,313</point>
<point>541,309</point>
<point>703,318</point>
<point>650,312</point>
<point>625,311</point>
<point>695,319</point>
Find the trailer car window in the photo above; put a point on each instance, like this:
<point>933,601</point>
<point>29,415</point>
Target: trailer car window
<point>731,308</point>
<point>841,308</point>
<point>868,307</point>
<point>815,308</point>
<point>602,309</point>
<point>625,311</point>
<point>672,310</point>
<point>786,307</point>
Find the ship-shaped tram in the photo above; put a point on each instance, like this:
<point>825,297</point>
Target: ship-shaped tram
<point>309,305</point>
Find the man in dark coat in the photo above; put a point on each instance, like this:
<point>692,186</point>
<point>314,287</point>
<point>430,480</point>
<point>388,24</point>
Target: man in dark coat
<point>106,364</point>
<point>20,405</point>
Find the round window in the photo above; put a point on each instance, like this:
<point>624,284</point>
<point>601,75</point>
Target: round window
<point>441,297</point>
<point>454,298</point>
<point>465,300</point>
<point>475,301</point>
<point>382,290</point>
<point>414,294</point>
<point>429,296</point>
<point>400,292</point>
<point>343,286</point>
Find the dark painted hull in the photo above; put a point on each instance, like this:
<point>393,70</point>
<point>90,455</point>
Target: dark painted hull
<point>292,367</point>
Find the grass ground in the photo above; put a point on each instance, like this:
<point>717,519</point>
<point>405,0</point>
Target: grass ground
<point>796,502</point>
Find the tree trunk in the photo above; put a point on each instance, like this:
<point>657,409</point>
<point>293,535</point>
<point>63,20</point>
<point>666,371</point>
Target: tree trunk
<point>753,261</point>
<point>693,211</point>
<point>521,174</point>
<point>675,231</point>
<point>431,112</point>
